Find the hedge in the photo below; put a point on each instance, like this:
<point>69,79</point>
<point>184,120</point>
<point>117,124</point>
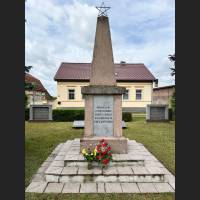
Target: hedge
<point>171,114</point>
<point>71,115</point>
<point>26,114</point>
<point>127,116</point>
<point>67,115</point>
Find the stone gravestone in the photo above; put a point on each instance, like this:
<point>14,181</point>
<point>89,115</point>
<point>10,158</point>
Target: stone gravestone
<point>157,112</point>
<point>40,113</point>
<point>103,98</point>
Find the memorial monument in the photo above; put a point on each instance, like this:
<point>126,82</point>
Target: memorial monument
<point>103,98</point>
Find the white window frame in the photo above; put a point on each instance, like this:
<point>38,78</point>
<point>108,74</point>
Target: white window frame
<point>140,94</point>
<point>69,94</point>
<point>127,94</point>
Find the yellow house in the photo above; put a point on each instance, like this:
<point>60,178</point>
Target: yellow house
<point>137,79</point>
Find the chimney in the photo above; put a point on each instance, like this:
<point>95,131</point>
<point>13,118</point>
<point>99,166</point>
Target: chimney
<point>156,83</point>
<point>123,63</point>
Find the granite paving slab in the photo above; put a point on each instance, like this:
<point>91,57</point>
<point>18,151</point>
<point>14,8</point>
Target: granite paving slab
<point>84,170</point>
<point>51,178</point>
<point>36,187</point>
<point>37,178</point>
<point>71,188</point>
<point>113,188</point>
<point>172,185</point>
<point>88,188</point>
<point>57,163</point>
<point>110,170</point>
<point>54,188</point>
<point>54,170</point>
<point>147,188</point>
<point>130,188</point>
<point>124,170</point>
<point>163,187</point>
<point>140,170</point>
<point>101,187</point>
<point>69,170</point>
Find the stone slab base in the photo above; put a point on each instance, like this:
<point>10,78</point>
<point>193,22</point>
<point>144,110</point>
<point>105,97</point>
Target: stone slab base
<point>54,177</point>
<point>118,145</point>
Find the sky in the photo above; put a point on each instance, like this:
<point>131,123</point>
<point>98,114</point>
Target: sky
<point>142,31</point>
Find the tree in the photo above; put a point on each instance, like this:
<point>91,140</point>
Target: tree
<point>172,58</point>
<point>27,69</point>
<point>28,86</point>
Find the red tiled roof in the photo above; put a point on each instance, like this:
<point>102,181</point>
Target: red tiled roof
<point>124,72</point>
<point>38,85</point>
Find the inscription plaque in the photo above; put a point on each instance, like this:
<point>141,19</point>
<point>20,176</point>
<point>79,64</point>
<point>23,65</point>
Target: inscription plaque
<point>103,115</point>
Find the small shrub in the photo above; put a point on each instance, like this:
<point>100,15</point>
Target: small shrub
<point>26,114</point>
<point>171,114</point>
<point>173,102</point>
<point>127,117</point>
<point>67,115</point>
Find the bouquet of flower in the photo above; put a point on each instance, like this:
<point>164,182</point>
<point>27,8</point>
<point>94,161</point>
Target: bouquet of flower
<point>103,153</point>
<point>89,155</point>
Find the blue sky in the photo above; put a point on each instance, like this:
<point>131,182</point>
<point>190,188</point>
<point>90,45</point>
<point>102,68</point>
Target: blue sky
<point>142,31</point>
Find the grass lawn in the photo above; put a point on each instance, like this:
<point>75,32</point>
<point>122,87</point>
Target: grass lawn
<point>42,138</point>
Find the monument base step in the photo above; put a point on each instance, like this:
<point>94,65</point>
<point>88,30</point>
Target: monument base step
<point>118,160</point>
<point>146,178</point>
<point>110,174</point>
<point>112,164</point>
<point>118,144</point>
<point>54,172</point>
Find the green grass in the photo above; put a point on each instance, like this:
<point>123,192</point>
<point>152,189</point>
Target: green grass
<point>159,138</point>
<point>42,138</point>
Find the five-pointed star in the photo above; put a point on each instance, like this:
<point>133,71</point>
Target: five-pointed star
<point>102,9</point>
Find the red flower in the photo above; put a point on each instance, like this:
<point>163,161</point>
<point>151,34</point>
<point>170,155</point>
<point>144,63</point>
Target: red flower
<point>102,140</point>
<point>104,144</point>
<point>109,148</point>
<point>97,157</point>
<point>103,155</point>
<point>105,161</point>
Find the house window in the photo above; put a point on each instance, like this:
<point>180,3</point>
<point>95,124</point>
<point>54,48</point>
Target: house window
<point>138,94</point>
<point>126,95</point>
<point>71,94</point>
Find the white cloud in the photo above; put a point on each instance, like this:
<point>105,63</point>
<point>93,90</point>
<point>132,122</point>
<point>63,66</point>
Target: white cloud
<point>63,31</point>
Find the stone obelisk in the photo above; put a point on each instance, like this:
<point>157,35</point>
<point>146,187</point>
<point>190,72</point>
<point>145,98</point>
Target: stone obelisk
<point>103,98</point>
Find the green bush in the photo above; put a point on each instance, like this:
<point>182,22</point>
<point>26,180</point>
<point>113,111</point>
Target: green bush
<point>171,114</point>
<point>67,115</point>
<point>127,117</point>
<point>71,115</point>
<point>26,114</point>
<point>25,100</point>
<point>173,102</point>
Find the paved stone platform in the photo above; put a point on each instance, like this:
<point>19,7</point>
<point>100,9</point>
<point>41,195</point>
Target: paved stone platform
<point>65,171</point>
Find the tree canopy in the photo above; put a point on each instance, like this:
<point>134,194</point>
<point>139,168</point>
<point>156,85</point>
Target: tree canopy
<point>172,58</point>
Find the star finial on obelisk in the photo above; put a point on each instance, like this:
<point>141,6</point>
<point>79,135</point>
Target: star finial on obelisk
<point>102,9</point>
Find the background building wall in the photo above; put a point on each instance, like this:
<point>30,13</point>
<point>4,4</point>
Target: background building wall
<point>163,96</point>
<point>62,94</point>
